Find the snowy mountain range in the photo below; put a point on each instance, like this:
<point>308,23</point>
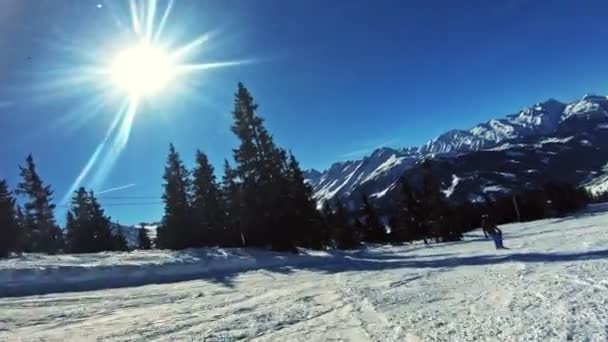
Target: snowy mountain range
<point>549,140</point>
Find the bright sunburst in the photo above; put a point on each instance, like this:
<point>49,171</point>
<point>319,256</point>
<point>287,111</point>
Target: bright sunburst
<point>140,71</point>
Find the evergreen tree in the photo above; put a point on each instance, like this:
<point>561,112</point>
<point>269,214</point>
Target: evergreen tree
<point>9,227</point>
<point>328,214</point>
<point>176,230</point>
<point>373,229</point>
<point>118,238</point>
<point>23,238</point>
<point>434,206</point>
<point>101,226</point>
<point>261,168</point>
<point>565,198</point>
<point>162,240</point>
<point>345,235</point>
<point>88,229</point>
<point>306,222</point>
<point>533,205</point>
<point>207,209</point>
<point>231,199</point>
<point>409,221</point>
<point>72,234</point>
<point>39,221</point>
<point>80,236</point>
<point>143,240</point>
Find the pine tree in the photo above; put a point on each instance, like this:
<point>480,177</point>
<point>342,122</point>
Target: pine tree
<point>207,209</point>
<point>373,229</point>
<point>231,198</point>
<point>565,198</point>
<point>72,234</point>
<point>306,222</point>
<point>143,240</point>
<point>261,169</point>
<point>9,227</point>
<point>88,229</point>
<point>23,238</point>
<point>101,225</point>
<point>345,234</point>
<point>39,221</point>
<point>118,238</point>
<point>410,220</point>
<point>435,207</point>
<point>79,232</point>
<point>176,229</point>
<point>328,216</point>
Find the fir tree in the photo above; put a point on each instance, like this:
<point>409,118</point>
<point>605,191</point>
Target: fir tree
<point>373,229</point>
<point>9,227</point>
<point>433,203</point>
<point>345,235</point>
<point>23,238</point>
<point>143,240</point>
<point>88,229</point>
<point>565,198</point>
<point>207,209</point>
<point>118,238</point>
<point>80,237</point>
<point>101,226</point>
<point>176,229</point>
<point>306,222</point>
<point>410,218</point>
<point>39,221</point>
<point>72,234</point>
<point>231,199</point>
<point>261,169</point>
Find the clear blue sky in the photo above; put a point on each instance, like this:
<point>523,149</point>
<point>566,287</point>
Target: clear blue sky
<point>334,79</point>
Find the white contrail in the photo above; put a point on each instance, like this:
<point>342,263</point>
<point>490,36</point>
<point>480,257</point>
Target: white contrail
<point>116,189</point>
<point>93,159</point>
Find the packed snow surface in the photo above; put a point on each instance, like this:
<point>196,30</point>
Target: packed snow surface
<point>551,285</point>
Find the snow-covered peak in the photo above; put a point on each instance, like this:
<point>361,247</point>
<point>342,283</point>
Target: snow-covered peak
<point>543,116</point>
<point>377,172</point>
<point>312,176</point>
<point>588,105</point>
<point>540,118</point>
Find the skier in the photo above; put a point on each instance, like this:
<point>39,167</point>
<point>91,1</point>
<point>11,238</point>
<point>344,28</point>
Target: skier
<point>497,237</point>
<point>489,228</point>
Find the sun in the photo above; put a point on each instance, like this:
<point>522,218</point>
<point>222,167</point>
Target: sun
<point>142,70</point>
<point>149,66</point>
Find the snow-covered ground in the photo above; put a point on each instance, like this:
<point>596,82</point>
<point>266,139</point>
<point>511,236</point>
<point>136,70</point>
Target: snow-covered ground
<point>551,285</point>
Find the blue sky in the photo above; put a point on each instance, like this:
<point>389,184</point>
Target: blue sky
<point>334,79</point>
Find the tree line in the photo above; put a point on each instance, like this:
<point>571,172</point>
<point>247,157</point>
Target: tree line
<point>262,200</point>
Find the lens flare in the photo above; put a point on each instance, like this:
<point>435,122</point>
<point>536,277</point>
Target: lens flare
<point>141,71</point>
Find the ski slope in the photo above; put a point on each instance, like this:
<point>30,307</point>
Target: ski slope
<point>552,285</point>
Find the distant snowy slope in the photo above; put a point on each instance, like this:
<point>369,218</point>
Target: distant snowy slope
<point>131,233</point>
<point>345,178</point>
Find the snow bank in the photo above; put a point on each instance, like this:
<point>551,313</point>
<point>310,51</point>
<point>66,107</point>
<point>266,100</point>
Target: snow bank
<point>40,274</point>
